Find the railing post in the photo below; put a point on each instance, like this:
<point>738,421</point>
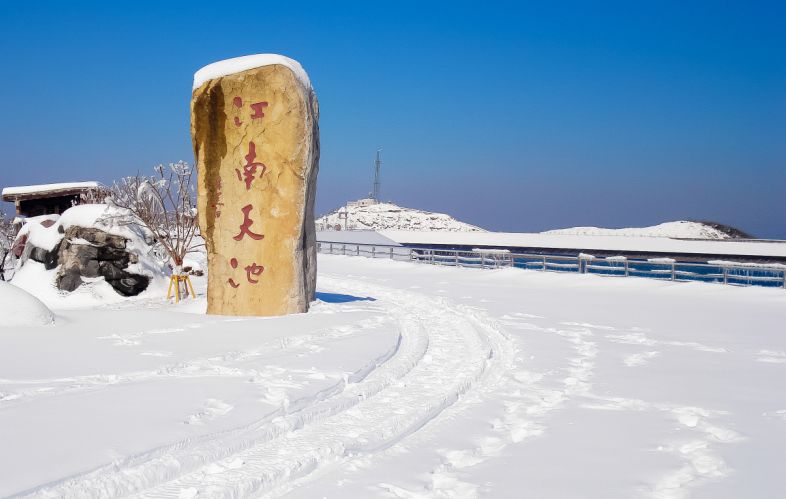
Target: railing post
<point>344,249</point>
<point>726,276</point>
<point>673,271</point>
<point>331,248</point>
<point>482,261</point>
<point>391,253</point>
<point>456,255</point>
<point>544,263</point>
<point>626,268</point>
<point>784,279</point>
<point>373,252</point>
<point>357,250</point>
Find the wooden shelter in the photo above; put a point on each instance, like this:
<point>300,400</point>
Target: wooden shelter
<point>48,199</point>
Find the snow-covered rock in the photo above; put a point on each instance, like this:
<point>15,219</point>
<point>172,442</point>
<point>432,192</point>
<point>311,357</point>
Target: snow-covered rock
<point>681,229</point>
<point>388,216</point>
<point>20,308</point>
<point>86,243</point>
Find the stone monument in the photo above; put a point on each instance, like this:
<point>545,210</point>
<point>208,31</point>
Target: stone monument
<point>254,126</point>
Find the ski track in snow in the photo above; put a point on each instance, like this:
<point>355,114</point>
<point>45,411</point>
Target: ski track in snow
<point>439,357</point>
<point>214,366</point>
<point>447,353</point>
<point>536,394</point>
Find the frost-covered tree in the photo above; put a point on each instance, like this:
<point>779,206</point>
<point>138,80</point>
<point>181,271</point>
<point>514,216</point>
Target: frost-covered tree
<point>7,234</point>
<point>164,204</point>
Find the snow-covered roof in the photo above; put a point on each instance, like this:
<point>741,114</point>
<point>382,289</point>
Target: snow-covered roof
<point>628,244</point>
<point>238,64</point>
<point>47,188</point>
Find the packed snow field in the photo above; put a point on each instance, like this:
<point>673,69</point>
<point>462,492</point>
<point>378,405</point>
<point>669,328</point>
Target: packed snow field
<point>405,381</point>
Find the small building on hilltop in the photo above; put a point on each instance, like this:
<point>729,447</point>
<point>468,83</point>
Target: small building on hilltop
<point>50,199</point>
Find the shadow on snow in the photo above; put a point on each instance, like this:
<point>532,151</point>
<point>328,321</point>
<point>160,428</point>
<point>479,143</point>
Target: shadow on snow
<point>340,298</point>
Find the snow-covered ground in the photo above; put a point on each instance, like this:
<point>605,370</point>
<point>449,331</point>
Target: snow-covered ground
<point>678,229</point>
<point>388,216</point>
<point>406,381</point>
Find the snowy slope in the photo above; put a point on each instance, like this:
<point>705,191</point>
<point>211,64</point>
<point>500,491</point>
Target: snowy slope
<point>407,381</point>
<point>679,229</point>
<point>382,216</point>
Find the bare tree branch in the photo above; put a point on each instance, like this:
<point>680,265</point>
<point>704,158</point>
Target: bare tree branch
<point>164,204</point>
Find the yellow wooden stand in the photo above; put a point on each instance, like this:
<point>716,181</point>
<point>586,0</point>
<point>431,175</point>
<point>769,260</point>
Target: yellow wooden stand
<point>175,281</point>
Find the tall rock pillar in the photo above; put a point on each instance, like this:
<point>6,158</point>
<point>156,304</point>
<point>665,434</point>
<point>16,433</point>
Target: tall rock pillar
<point>254,126</point>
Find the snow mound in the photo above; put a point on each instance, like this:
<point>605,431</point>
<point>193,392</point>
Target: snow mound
<point>47,232</point>
<point>110,219</point>
<point>238,64</point>
<point>388,216</point>
<point>20,308</point>
<point>680,229</point>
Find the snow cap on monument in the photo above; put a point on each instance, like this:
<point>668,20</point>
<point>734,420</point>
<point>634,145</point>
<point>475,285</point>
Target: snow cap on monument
<point>255,131</point>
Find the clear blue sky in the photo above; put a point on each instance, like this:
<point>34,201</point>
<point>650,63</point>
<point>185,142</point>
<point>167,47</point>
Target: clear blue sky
<point>512,116</point>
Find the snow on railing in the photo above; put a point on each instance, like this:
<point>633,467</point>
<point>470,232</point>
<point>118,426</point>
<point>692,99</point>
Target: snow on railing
<point>725,272</point>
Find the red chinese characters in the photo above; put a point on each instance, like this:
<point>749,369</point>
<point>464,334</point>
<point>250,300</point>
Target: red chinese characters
<point>257,110</point>
<point>245,226</point>
<point>252,271</point>
<point>248,175</point>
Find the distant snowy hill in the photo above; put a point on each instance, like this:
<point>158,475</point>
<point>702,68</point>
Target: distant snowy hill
<point>679,229</point>
<point>388,216</point>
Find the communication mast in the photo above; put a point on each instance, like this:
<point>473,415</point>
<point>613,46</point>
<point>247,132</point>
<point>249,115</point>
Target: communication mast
<point>377,183</point>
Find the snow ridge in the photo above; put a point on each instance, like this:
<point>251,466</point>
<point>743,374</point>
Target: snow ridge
<point>389,216</point>
<point>681,229</point>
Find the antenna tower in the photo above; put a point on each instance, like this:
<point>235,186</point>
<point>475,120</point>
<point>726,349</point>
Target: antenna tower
<point>377,183</point>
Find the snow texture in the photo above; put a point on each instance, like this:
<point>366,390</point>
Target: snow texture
<point>238,64</point>
<point>18,308</point>
<point>44,188</point>
<point>678,229</point>
<point>406,381</point>
<point>388,216</point>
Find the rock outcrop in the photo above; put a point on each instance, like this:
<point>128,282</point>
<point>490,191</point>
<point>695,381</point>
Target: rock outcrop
<point>83,253</point>
<point>254,125</point>
<point>89,252</point>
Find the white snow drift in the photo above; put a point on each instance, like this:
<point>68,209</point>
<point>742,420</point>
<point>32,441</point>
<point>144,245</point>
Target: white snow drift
<point>20,308</point>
